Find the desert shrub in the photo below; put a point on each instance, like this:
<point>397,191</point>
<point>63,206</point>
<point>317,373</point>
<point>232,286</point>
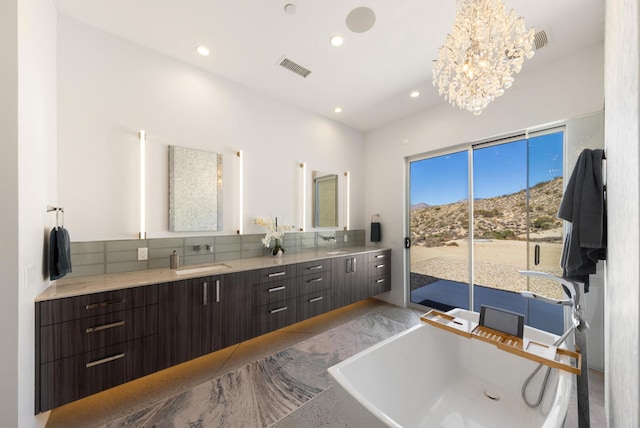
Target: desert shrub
<point>503,234</point>
<point>543,223</point>
<point>488,213</point>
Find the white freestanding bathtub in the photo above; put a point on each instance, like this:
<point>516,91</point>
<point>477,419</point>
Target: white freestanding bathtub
<point>428,377</point>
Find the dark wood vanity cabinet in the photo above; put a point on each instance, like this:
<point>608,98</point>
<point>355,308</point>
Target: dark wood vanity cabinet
<point>287,294</point>
<point>314,288</point>
<point>274,298</point>
<point>379,272</point>
<point>202,315</point>
<point>89,343</point>
<point>349,279</point>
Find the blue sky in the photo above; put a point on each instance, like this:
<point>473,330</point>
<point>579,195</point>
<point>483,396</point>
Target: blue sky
<point>499,170</point>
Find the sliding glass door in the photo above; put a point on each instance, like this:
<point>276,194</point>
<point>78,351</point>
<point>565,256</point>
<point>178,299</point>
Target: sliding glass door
<point>439,223</point>
<point>516,188</point>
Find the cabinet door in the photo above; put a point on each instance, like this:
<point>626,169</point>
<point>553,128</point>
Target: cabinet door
<point>349,279</point>
<point>231,310</point>
<point>185,322</point>
<point>340,281</point>
<point>359,277</point>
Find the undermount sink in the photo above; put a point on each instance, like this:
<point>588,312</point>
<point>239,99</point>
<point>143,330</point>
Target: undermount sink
<point>333,253</point>
<point>211,268</point>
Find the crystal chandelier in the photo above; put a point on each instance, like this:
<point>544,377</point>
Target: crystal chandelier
<point>485,48</point>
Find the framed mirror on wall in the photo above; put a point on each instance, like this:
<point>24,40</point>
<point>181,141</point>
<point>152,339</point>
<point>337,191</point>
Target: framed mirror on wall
<point>325,199</point>
<point>195,190</point>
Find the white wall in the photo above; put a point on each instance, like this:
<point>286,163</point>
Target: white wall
<point>9,329</point>
<point>622,135</point>
<point>27,185</point>
<point>109,89</point>
<point>568,88</point>
<point>37,178</point>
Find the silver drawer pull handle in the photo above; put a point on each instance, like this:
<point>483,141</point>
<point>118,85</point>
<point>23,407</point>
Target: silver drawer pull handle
<point>380,256</point>
<point>315,299</point>
<point>315,280</point>
<point>217,291</point>
<point>104,360</point>
<point>204,294</point>
<point>379,266</point>
<point>275,311</point>
<point>379,281</point>
<point>271,290</point>
<point>314,267</point>
<point>104,304</point>
<point>104,327</point>
<point>272,275</point>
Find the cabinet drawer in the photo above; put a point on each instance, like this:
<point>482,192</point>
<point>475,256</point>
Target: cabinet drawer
<point>87,334</point>
<point>380,256</point>
<point>379,268</point>
<point>313,304</point>
<point>313,267</point>
<point>69,379</point>
<point>274,291</point>
<point>314,282</point>
<point>274,274</point>
<point>271,317</point>
<point>71,308</point>
<point>379,285</point>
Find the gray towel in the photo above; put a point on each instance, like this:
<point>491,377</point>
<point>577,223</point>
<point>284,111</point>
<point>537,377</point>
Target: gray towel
<point>583,205</point>
<point>59,253</point>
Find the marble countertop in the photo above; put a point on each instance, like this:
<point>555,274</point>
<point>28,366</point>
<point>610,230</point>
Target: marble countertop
<point>69,287</point>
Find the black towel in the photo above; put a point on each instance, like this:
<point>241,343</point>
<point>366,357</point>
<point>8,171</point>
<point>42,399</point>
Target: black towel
<point>376,232</point>
<point>583,205</point>
<point>59,253</point>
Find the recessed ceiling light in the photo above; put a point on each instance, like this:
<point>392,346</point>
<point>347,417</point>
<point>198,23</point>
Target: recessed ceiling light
<point>202,50</point>
<point>290,8</point>
<point>415,94</point>
<point>338,110</point>
<point>336,40</point>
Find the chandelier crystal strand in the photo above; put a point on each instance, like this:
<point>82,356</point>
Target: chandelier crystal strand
<point>484,49</point>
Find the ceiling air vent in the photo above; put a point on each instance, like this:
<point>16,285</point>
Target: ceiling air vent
<point>296,68</point>
<point>540,39</point>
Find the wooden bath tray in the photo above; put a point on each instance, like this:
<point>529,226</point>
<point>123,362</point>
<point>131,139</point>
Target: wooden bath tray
<point>525,348</point>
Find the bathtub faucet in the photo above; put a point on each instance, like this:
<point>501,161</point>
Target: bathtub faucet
<point>568,286</point>
<point>579,329</point>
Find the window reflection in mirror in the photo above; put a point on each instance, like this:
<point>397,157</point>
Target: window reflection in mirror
<point>195,190</point>
<point>325,199</point>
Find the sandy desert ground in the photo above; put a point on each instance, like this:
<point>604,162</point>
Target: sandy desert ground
<point>497,263</point>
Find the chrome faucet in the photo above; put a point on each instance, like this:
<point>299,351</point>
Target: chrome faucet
<point>330,238</point>
<point>569,287</point>
<point>579,330</point>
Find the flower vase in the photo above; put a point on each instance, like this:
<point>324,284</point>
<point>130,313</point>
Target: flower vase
<point>277,250</point>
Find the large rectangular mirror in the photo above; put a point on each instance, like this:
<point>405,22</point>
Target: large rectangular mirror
<point>195,190</point>
<point>325,199</point>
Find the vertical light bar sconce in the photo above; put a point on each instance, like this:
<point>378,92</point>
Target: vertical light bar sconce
<point>142,137</point>
<point>240,230</point>
<point>347,195</point>
<point>303,193</point>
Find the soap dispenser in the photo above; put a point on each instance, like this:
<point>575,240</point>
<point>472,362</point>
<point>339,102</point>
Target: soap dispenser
<point>174,260</point>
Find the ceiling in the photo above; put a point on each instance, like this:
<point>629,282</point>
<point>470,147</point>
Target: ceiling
<point>370,76</point>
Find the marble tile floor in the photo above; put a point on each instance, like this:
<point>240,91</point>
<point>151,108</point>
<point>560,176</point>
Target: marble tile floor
<point>169,397</point>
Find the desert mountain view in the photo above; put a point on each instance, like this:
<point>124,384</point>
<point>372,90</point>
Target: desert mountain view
<point>501,217</point>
